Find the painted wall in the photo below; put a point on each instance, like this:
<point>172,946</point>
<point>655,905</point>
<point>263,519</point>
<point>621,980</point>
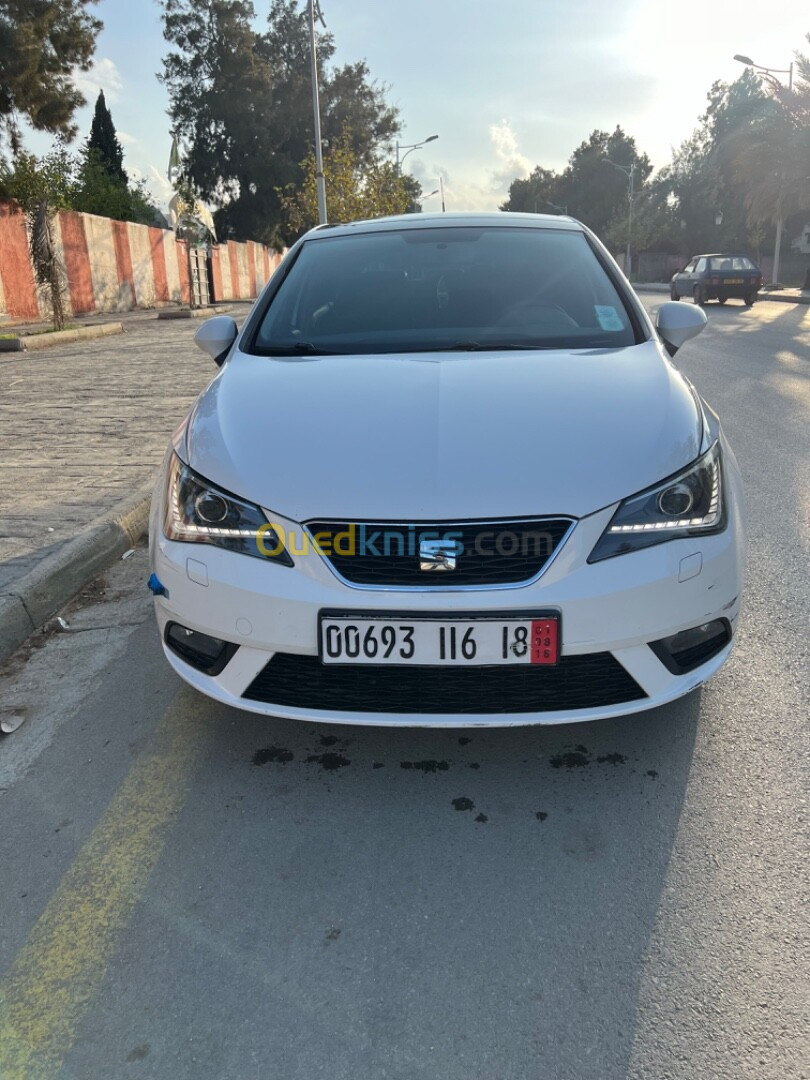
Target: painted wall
<point>117,266</point>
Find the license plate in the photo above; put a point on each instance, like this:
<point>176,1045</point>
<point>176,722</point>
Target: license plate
<point>733,281</point>
<point>441,640</point>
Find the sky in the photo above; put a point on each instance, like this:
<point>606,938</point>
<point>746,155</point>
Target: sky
<point>506,86</point>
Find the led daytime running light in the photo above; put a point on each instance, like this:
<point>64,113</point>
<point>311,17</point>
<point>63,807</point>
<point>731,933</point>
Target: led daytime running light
<point>706,521</point>
<point>181,528</point>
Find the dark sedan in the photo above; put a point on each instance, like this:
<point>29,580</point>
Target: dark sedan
<point>717,277</point>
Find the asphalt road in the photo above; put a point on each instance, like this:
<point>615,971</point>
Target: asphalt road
<point>191,893</point>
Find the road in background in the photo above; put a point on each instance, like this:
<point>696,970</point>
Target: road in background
<point>192,892</point>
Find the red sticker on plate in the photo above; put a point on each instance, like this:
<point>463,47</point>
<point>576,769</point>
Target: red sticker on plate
<point>544,641</point>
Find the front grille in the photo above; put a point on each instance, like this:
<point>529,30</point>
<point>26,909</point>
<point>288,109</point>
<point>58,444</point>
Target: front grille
<point>576,682</point>
<point>386,553</point>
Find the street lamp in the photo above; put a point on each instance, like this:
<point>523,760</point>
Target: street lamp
<point>320,183</point>
<point>408,147</point>
<point>562,209</point>
<point>770,74</point>
<point>430,196</point>
<point>630,173</point>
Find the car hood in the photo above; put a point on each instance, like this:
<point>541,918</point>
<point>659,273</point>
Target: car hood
<point>437,436</point>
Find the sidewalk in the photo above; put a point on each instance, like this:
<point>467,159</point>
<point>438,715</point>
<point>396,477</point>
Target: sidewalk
<point>782,296</point>
<point>83,429</point>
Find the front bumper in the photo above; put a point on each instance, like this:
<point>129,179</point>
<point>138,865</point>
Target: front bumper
<point>617,606</point>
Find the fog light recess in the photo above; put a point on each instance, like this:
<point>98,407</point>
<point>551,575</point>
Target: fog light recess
<point>687,650</point>
<point>203,652</point>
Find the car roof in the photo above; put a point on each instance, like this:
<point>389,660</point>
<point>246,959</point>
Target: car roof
<point>478,219</point>
<point>723,255</point>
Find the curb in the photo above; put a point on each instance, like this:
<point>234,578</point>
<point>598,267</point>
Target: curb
<point>775,298</point>
<point>26,604</point>
<point>33,342</point>
<point>192,313</point>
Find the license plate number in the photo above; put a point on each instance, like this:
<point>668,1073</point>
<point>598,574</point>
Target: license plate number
<point>733,281</point>
<point>458,642</point>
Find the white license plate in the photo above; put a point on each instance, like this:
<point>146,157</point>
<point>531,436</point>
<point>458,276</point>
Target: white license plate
<point>350,639</point>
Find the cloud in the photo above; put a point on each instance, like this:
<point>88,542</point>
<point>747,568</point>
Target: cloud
<point>461,190</point>
<point>125,138</point>
<point>159,185</point>
<point>477,188</point>
<point>103,75</point>
<point>513,163</point>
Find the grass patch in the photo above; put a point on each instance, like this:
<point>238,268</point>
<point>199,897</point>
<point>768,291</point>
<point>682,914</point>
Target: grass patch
<point>52,330</point>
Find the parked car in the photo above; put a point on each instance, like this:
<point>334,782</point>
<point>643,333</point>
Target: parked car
<point>448,475</point>
<point>717,277</point>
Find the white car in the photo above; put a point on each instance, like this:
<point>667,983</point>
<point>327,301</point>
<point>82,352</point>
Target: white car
<point>448,475</point>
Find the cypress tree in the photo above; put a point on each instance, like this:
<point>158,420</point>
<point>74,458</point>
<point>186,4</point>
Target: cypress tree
<point>103,143</point>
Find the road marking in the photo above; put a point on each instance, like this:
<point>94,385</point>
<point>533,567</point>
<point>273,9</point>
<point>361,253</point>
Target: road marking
<point>59,969</point>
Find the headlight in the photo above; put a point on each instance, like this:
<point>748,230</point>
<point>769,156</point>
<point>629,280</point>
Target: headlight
<point>198,512</point>
<point>689,504</point>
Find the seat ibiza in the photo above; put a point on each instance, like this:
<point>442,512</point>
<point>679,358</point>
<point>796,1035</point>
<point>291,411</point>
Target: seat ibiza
<point>448,474</point>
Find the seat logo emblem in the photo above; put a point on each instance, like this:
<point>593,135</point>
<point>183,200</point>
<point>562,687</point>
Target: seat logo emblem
<point>437,556</point>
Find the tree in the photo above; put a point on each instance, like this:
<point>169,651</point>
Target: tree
<point>413,189</point>
<point>594,190</point>
<point>704,180</point>
<point>241,102</point>
<point>653,226</point>
<point>772,152</point>
<point>355,189</point>
<point>535,194</point>
<point>41,187</point>
<point>40,46</point>
<point>103,142</point>
<point>589,188</point>
<point>102,184</point>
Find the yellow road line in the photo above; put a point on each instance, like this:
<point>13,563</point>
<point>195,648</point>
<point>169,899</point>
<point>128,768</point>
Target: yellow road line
<point>56,974</point>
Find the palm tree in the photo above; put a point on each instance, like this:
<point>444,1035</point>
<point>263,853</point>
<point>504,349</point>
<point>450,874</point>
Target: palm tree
<point>772,154</point>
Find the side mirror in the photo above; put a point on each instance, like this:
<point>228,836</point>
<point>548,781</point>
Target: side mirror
<point>216,336</point>
<point>677,323</point>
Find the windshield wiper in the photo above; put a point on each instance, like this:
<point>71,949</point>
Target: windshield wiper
<point>485,346</point>
<point>300,348</point>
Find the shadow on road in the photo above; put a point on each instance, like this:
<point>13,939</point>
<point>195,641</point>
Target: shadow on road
<point>361,902</point>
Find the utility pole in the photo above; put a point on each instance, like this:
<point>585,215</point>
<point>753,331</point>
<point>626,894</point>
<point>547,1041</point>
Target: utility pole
<point>320,182</point>
<point>441,190</point>
<point>630,173</point>
<point>777,248</point>
<point>629,256</point>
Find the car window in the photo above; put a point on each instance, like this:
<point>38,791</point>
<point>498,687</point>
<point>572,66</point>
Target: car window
<point>701,266</point>
<point>729,263</point>
<point>434,288</point>
<point>689,267</point>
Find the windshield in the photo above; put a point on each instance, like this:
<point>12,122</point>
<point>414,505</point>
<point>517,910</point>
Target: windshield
<point>418,290</point>
<point>730,263</point>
